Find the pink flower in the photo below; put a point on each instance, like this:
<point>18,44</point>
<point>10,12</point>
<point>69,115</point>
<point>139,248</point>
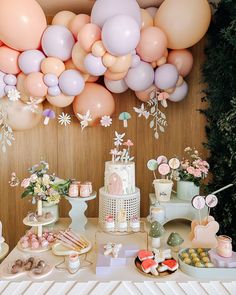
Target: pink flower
<point>204,163</point>
<point>128,143</point>
<point>190,170</point>
<point>197,173</point>
<point>25,183</point>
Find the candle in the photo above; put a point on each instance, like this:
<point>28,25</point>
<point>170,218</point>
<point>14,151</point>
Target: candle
<point>157,214</point>
<point>74,189</point>
<point>224,247</point>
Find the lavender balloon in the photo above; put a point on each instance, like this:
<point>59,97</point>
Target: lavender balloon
<point>166,76</point>
<point>50,80</point>
<point>179,93</point>
<point>141,77</point>
<point>54,91</point>
<point>58,41</point>
<point>29,61</point>
<point>10,79</point>
<point>9,87</point>
<point>71,82</point>
<point>104,9</point>
<point>2,84</point>
<point>94,65</point>
<point>118,86</point>
<point>120,35</point>
<point>135,61</point>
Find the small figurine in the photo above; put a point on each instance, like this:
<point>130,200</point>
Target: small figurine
<point>113,249</point>
<point>162,255</point>
<point>175,240</point>
<point>156,232</point>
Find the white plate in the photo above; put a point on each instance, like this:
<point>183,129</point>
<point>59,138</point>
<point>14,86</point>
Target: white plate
<point>37,223</point>
<point>61,250</point>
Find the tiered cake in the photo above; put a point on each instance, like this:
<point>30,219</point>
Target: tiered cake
<point>119,194</point>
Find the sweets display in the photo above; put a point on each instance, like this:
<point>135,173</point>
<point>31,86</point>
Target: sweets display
<point>197,257</point>
<point>32,241</point>
<point>72,240</point>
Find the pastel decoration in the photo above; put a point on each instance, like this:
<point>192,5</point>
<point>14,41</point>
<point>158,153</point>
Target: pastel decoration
<point>135,61</point>
<point>30,61</point>
<point>152,165</point>
<point>58,41</point>
<point>94,65</point>
<point>152,10</point>
<point>164,169</point>
<point>122,64</point>
<point>115,76</point>
<point>120,35</point>
<point>179,93</point>
<point>35,85</point>
<point>108,59</point>
<point>24,94</point>
<point>60,100</point>
<point>69,65</point>
<point>50,80</point>
<point>78,56</point>
<point>152,44</point>
<point>182,59</point>
<point>98,49</point>
<point>145,94</point>
<point>2,84</point>
<point>162,160</point>
<point>8,60</point>
<point>141,77</point>
<point>10,79</point>
<point>191,18</point>
<point>88,35</point>
<point>166,76</point>
<point>105,9</point>
<point>92,79</point>
<point>22,24</point>
<point>48,114</point>
<point>115,185</point>
<point>174,163</point>
<point>211,201</point>
<point>147,20</point>
<point>161,61</point>
<point>54,91</point>
<point>63,18</point>
<point>77,23</point>
<point>180,81</point>
<point>52,65</point>
<point>118,86</point>
<point>8,88</point>
<point>198,202</point>
<point>97,99</point>
<point>71,82</point>
<point>19,117</point>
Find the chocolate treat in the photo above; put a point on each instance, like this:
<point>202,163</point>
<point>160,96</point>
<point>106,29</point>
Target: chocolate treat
<point>28,265</point>
<point>41,263</point>
<point>38,270</point>
<point>15,269</point>
<point>19,262</point>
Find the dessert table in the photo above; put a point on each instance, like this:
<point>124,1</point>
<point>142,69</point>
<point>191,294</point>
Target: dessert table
<point>126,280</point>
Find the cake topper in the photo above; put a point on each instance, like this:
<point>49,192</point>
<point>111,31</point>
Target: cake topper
<point>124,154</point>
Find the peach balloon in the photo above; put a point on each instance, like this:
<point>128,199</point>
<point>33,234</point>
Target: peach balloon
<point>108,60</point>
<point>69,65</point>
<point>9,60</point>
<point>22,24</point>
<point>122,64</point>
<point>88,35</point>
<point>145,95</point>
<point>182,59</point>
<point>34,84</point>
<point>115,76</point>
<point>92,79</point>
<point>60,100</point>
<point>52,65</point>
<point>184,22</point>
<point>152,44</point>
<point>63,18</point>
<point>97,99</point>
<point>98,49</point>
<point>77,23</point>
<point>78,56</point>
<point>19,117</point>
<point>1,43</point>
<point>146,19</point>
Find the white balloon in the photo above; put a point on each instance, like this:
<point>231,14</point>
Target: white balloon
<point>118,86</point>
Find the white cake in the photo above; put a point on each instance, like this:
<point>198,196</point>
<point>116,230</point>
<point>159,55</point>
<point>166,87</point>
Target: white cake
<point>119,178</point>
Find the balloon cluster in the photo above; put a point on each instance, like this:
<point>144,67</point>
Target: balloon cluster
<point>128,45</point>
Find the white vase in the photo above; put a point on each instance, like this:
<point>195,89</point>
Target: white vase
<point>163,188</point>
<point>186,190</point>
<point>52,208</point>
<point>156,242</point>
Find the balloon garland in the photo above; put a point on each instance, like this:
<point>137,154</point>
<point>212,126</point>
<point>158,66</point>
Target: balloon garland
<point>131,47</point>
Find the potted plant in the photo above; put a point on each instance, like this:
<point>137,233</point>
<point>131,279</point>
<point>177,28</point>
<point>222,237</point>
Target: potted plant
<point>191,171</point>
<point>156,232</point>
<point>174,241</point>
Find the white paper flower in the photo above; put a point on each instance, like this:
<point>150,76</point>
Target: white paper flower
<point>85,119</point>
<point>32,105</point>
<point>142,111</point>
<point>106,121</point>
<point>13,95</point>
<point>64,119</point>
<point>118,140</point>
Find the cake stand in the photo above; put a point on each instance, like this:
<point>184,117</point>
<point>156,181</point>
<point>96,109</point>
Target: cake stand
<point>77,212</point>
<point>4,251</point>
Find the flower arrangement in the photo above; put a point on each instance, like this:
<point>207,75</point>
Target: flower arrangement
<point>193,167</point>
<point>41,185</point>
<point>121,155</point>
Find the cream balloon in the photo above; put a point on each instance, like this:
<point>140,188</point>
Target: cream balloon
<point>108,60</point>
<point>98,49</point>
<point>69,65</point>
<point>78,56</point>
<point>63,18</point>
<point>52,65</point>
<point>19,117</point>
<point>184,22</point>
<point>60,101</point>
<point>146,18</point>
<point>115,76</point>
<point>122,64</point>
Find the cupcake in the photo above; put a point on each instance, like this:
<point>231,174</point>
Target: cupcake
<point>135,224</point>
<point>109,223</point>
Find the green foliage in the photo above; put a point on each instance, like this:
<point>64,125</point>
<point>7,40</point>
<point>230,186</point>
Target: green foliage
<point>219,73</point>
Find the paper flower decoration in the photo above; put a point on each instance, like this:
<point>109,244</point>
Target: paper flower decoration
<point>142,111</point>
<point>106,121</point>
<point>64,119</point>
<point>85,119</point>
<point>128,143</point>
<point>32,105</point>
<point>118,140</point>
<point>13,95</point>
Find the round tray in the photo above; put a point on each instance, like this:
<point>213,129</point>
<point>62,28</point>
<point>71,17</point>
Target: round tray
<point>137,263</point>
<point>33,251</point>
<point>37,223</point>
<point>61,250</point>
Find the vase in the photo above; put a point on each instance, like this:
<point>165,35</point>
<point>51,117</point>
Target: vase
<point>156,242</point>
<point>186,190</point>
<point>163,188</point>
<point>52,208</point>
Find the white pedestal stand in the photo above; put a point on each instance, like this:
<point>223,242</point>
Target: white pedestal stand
<point>78,208</point>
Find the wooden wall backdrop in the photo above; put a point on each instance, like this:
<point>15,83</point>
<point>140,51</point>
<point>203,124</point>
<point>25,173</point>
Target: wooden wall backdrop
<point>81,155</point>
